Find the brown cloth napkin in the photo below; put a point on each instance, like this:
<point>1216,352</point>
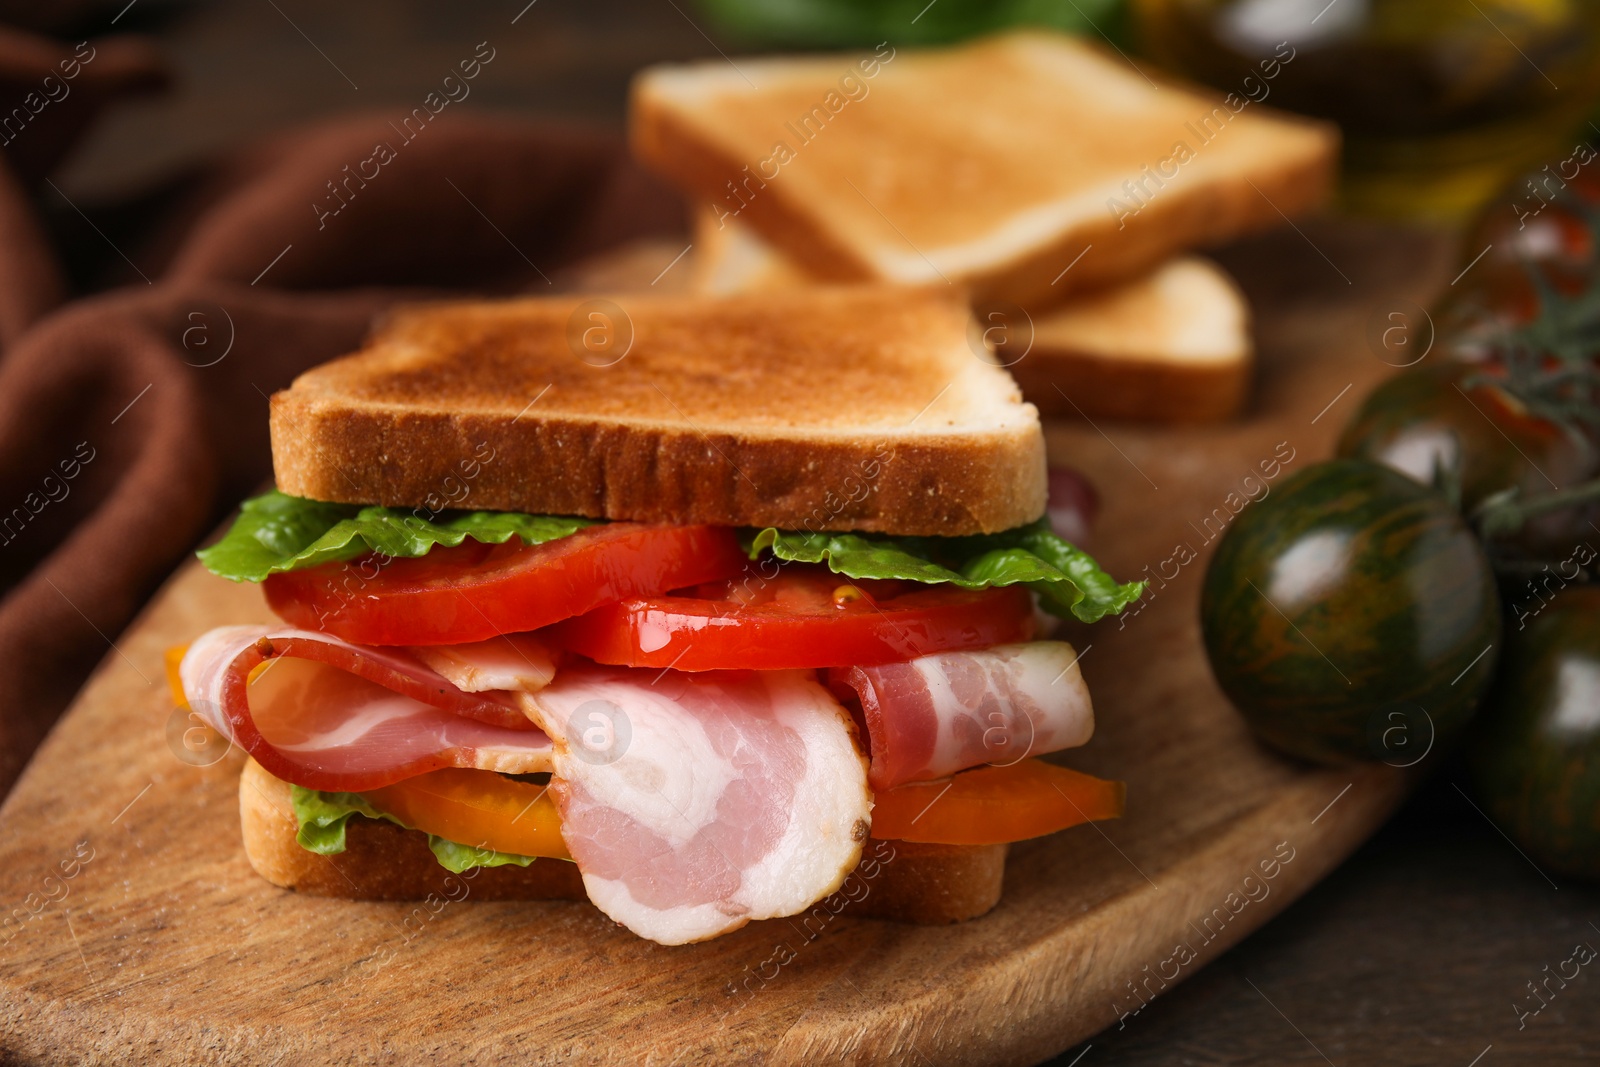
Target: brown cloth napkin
<point>132,420</point>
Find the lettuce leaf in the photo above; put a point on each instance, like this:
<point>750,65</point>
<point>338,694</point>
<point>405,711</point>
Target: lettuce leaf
<point>457,857</point>
<point>1067,579</point>
<point>277,532</point>
<point>324,816</point>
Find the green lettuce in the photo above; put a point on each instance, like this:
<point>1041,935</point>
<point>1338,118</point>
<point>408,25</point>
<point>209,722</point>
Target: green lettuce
<point>277,532</point>
<point>323,817</point>
<point>1067,579</point>
<point>456,857</point>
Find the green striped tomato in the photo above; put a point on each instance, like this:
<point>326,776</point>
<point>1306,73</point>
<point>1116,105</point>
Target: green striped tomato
<point>1426,418</point>
<point>1349,592</point>
<point>1535,751</point>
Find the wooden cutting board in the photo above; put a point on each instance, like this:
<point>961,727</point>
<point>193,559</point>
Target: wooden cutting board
<point>150,939</point>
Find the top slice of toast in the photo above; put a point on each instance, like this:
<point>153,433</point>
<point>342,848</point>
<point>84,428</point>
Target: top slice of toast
<point>866,407</point>
<point>995,164</point>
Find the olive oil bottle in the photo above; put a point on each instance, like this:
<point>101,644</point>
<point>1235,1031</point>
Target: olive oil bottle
<point>1441,101</point>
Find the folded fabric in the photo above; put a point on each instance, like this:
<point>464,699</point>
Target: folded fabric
<point>131,419</point>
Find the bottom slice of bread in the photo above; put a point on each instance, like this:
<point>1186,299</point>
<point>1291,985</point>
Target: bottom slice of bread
<point>900,880</point>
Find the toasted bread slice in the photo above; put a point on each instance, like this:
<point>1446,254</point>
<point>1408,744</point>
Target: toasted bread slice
<point>897,880</point>
<point>1172,346</point>
<point>995,164</point>
<point>829,408</point>
<point>1169,346</point>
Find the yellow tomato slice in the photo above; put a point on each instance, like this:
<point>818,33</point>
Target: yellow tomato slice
<point>983,806</point>
<point>990,805</point>
<point>479,809</point>
<point>173,658</point>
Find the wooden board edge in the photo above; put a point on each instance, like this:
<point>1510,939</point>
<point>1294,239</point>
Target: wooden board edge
<point>1054,1000</point>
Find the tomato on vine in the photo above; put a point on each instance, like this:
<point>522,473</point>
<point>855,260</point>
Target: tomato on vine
<point>1350,591</point>
<point>1441,422</point>
<point>1535,753</point>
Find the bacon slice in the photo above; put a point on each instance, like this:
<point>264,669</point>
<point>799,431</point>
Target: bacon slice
<point>694,803</point>
<point>944,713</point>
<point>691,803</point>
<point>519,663</point>
<point>326,714</point>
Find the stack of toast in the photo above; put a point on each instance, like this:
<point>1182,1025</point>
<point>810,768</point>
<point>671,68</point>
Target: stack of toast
<point>1061,186</point>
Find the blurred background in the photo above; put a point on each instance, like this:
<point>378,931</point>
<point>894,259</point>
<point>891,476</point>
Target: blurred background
<point>1441,101</point>
<point>1429,929</point>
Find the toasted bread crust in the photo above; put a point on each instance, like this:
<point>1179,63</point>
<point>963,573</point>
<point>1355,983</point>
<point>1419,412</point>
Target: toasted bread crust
<point>799,411</point>
<point>898,880</point>
<point>1065,384</point>
<point>951,486</point>
<point>1173,347</point>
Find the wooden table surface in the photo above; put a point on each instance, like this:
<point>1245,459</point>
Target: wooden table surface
<point>1416,951</point>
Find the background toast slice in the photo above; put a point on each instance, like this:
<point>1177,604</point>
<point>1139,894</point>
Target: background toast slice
<point>911,882</point>
<point>994,164</point>
<point>1169,346</point>
<point>827,408</point>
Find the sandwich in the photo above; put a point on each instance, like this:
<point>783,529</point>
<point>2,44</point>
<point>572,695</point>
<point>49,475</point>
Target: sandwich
<point>702,609</point>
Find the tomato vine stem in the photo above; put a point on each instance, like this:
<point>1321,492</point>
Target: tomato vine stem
<point>1504,513</point>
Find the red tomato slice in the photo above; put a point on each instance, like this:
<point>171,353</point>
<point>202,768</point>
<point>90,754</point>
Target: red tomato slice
<point>479,809</point>
<point>475,591</point>
<point>988,805</point>
<point>805,617</point>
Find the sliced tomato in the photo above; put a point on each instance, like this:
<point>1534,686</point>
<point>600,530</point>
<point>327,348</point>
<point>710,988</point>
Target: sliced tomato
<point>172,659</point>
<point>984,806</point>
<point>804,617</point>
<point>479,809</point>
<point>474,591</point>
<point>989,805</point>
